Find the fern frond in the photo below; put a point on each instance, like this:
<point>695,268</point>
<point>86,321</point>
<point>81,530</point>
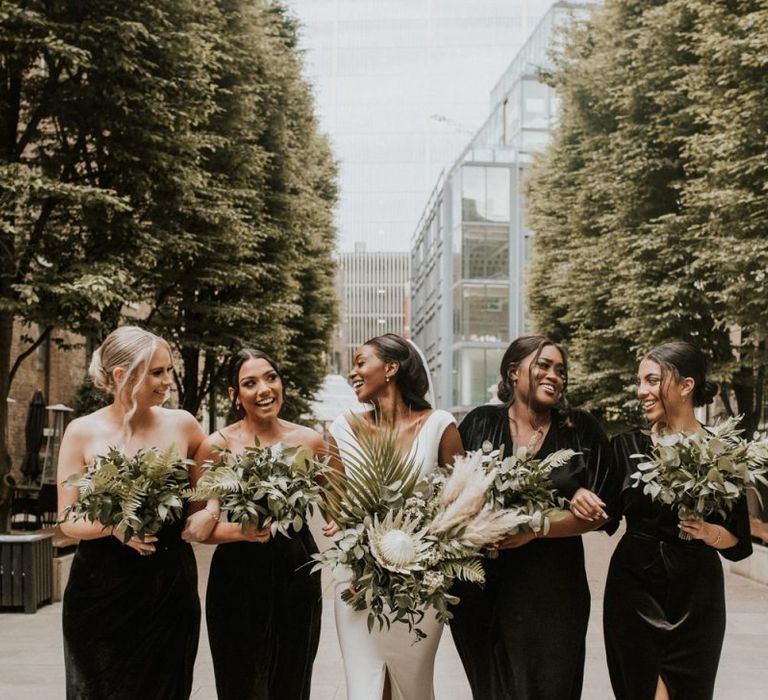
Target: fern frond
<point>468,569</point>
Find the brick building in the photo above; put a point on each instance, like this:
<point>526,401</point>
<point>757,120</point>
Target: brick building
<point>50,369</point>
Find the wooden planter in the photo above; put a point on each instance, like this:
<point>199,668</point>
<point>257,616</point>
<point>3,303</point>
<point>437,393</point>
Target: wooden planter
<point>26,571</point>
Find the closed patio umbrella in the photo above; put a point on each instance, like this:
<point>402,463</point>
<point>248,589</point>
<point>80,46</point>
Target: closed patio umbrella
<point>33,436</point>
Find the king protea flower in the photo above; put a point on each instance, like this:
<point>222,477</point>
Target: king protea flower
<point>396,544</point>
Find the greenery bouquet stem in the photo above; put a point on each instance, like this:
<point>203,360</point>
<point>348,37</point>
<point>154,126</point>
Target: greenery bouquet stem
<point>702,473</point>
<point>133,495</point>
<point>404,540</point>
<point>264,487</point>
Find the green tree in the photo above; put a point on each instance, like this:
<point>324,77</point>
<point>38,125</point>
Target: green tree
<point>254,268</point>
<point>633,246</point>
<point>97,104</point>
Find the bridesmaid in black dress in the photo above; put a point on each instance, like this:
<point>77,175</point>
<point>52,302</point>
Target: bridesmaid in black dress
<point>664,608</point>
<point>263,605</point>
<point>522,635</point>
<point>131,623</point>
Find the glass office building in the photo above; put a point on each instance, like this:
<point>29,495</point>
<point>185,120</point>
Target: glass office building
<point>469,252</point>
<point>374,290</point>
<point>400,86</point>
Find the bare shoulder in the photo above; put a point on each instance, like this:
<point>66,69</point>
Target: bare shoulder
<point>296,434</point>
<point>88,425</point>
<point>178,416</point>
<point>222,438</point>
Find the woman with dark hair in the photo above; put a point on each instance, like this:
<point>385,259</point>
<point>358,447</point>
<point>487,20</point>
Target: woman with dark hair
<point>664,606</point>
<point>523,635</point>
<point>263,605</point>
<point>389,373</point>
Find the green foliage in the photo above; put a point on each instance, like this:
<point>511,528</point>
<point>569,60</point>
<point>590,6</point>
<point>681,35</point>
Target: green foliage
<point>160,161</point>
<point>403,542</point>
<point>649,205</point>
<point>703,473</point>
<point>89,399</point>
<point>254,267</point>
<point>134,495</point>
<point>523,484</point>
<point>264,487</point>
<point>378,476</point>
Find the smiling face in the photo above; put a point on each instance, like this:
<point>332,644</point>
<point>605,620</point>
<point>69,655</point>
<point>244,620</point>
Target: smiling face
<point>541,380</point>
<point>369,374</point>
<point>157,381</point>
<point>662,396</point>
<point>260,389</point>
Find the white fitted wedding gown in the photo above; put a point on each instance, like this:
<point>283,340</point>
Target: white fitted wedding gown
<point>368,656</point>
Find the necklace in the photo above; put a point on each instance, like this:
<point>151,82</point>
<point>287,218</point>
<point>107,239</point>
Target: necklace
<point>536,435</point>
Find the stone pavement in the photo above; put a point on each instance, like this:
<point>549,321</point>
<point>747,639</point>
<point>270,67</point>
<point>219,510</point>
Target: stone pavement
<point>31,662</point>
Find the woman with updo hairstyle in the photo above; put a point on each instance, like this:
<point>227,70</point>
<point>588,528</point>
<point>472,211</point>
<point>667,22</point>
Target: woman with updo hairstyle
<point>389,373</point>
<point>522,635</point>
<point>131,622</point>
<point>263,605</point>
<point>664,605</point>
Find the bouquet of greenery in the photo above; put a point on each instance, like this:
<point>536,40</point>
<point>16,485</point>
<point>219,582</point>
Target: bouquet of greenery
<point>134,495</point>
<point>523,485</point>
<point>402,542</point>
<point>264,487</point>
<point>704,472</point>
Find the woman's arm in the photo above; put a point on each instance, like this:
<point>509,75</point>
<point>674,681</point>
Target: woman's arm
<point>450,446</point>
<point>330,450</point>
<point>203,517</point>
<point>567,526</point>
<point>715,536</point>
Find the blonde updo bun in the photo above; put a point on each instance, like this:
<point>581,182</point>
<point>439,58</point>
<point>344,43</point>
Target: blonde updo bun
<point>126,348</point>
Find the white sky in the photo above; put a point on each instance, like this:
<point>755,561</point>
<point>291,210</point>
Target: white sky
<point>401,86</point>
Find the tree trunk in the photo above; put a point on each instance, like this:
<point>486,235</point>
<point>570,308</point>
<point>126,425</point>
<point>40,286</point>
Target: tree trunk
<point>6,490</point>
<point>190,382</point>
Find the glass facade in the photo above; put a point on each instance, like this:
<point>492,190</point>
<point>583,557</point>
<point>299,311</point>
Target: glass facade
<point>472,245</point>
<point>475,375</point>
<point>400,85</point>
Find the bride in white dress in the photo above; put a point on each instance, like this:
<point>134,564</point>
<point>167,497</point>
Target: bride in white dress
<point>389,372</point>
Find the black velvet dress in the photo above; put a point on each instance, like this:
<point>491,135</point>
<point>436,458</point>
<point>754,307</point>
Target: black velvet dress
<point>664,608</point>
<point>131,622</point>
<point>522,636</point>
<point>263,609</point>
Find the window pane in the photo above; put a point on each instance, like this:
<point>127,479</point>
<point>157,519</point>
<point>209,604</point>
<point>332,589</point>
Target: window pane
<point>481,313</point>
<point>535,105</point>
<point>473,193</point>
<point>485,252</point>
<point>497,207</point>
<point>475,374</point>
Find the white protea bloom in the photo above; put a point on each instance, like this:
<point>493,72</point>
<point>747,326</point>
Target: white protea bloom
<point>396,544</point>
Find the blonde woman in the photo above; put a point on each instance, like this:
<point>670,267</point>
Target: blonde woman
<point>131,622</point>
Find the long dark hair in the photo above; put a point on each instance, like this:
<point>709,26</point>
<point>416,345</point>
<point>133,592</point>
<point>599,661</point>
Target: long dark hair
<point>233,373</point>
<point>681,359</point>
<point>411,377</point>
<point>517,351</point>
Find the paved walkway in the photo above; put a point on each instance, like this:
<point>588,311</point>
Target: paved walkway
<point>31,663</point>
